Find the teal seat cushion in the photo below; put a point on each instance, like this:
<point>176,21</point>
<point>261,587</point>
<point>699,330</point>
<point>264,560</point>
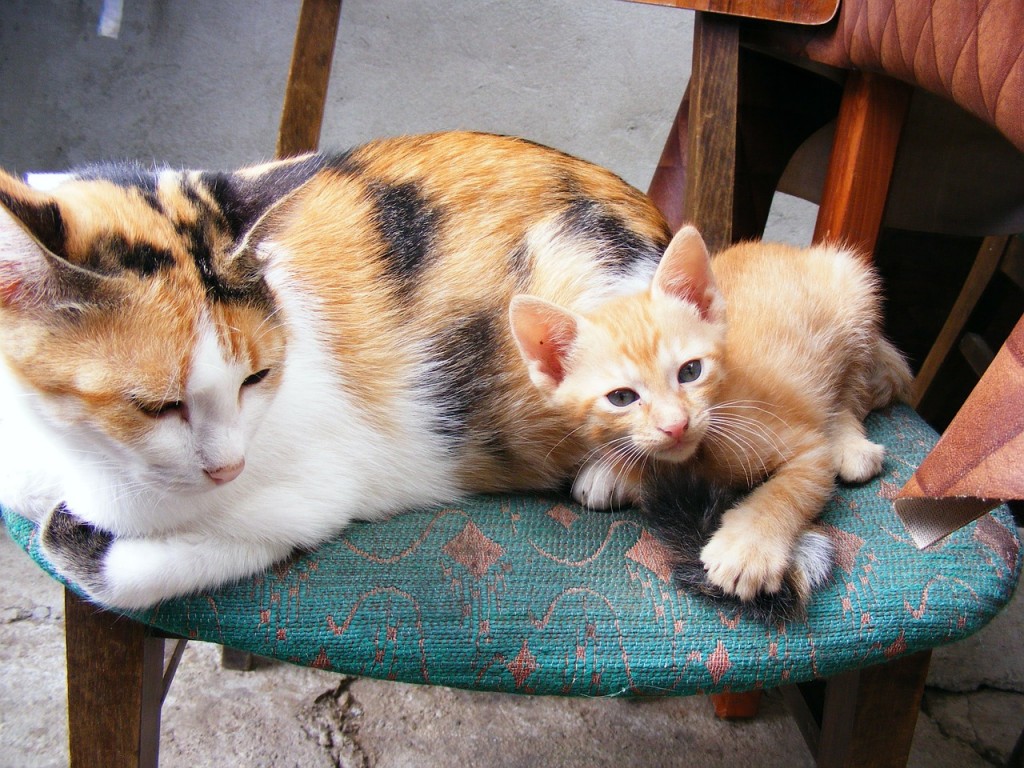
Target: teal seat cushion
<point>533,594</point>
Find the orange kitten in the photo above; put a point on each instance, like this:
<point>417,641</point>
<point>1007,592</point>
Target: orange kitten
<point>758,367</point>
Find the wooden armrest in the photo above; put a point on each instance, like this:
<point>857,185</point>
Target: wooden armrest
<point>810,12</point>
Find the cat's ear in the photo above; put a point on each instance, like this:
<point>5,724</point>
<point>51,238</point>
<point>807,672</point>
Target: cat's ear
<point>546,335</point>
<point>246,196</point>
<point>33,272</point>
<point>685,273</point>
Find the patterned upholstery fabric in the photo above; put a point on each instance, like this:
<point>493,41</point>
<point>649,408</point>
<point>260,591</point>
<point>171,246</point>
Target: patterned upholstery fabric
<point>535,595</point>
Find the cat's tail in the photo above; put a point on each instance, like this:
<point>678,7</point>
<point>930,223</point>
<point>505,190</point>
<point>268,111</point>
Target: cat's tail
<point>890,377</point>
<point>684,510</point>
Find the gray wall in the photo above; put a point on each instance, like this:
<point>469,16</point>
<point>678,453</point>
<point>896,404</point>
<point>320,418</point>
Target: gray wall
<point>200,84</point>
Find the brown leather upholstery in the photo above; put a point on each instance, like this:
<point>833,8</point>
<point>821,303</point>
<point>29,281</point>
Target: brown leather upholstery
<point>968,51</point>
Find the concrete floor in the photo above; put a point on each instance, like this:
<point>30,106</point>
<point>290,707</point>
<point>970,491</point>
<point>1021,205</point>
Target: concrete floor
<point>279,716</point>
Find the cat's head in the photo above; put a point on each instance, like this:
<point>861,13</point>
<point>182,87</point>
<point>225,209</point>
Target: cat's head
<point>639,374</point>
<point>132,328</point>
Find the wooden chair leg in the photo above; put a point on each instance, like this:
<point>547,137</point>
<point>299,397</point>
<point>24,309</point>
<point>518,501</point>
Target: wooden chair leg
<point>711,151</point>
<point>865,717</point>
<point>871,116</point>
<point>696,175</point>
<point>115,688</point>
<point>736,706</point>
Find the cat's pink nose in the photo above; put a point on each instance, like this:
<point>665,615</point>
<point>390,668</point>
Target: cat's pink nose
<point>677,430</point>
<point>227,473</point>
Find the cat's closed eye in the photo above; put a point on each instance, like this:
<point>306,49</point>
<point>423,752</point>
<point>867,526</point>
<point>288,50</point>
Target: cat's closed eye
<point>159,410</point>
<point>620,398</point>
<point>256,378</point>
<point>690,371</point>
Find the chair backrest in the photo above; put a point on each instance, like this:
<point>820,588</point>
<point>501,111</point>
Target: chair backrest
<point>967,53</point>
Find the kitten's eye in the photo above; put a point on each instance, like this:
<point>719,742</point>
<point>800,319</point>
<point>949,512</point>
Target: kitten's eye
<point>256,378</point>
<point>689,372</point>
<point>620,398</point>
<point>159,410</point>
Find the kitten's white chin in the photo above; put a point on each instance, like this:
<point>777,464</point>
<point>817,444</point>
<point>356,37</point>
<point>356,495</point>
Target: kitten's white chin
<point>677,454</point>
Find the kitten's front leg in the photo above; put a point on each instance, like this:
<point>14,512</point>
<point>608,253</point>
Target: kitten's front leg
<point>753,548</point>
<point>137,573</point>
<point>857,459</point>
<point>605,482</point>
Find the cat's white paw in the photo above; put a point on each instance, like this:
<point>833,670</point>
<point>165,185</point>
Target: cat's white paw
<point>29,492</point>
<point>858,459</point>
<point>133,574</point>
<point>599,485</point>
<point>741,561</point>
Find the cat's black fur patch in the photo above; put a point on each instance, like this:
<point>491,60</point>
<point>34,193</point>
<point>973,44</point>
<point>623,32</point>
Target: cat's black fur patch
<point>244,283</point>
<point>520,266</point>
<point>408,225</point>
<point>621,247</point>
<point>127,175</point>
<point>344,162</point>
<point>114,254</point>
<point>684,510</point>
<point>44,222</point>
<point>460,379</point>
<point>244,199</point>
<point>75,548</point>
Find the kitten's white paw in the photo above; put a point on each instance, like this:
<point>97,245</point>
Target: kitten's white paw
<point>858,459</point>
<point>600,486</point>
<point>741,561</point>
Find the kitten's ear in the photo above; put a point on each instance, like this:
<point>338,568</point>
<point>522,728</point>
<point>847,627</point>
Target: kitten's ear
<point>685,273</point>
<point>33,272</point>
<point>545,334</point>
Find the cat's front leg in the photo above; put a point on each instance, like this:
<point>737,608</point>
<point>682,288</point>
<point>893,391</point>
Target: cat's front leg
<point>604,482</point>
<point>31,489</point>
<point>139,572</point>
<point>755,545</point>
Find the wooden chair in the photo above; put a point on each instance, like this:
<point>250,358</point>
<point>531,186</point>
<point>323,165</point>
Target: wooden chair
<point>532,595</point>
<point>707,176</point>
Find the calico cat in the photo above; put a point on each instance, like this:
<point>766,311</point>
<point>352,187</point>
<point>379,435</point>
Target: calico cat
<point>204,371</point>
<point>769,397</point>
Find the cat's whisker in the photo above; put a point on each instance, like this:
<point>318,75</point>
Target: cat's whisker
<point>565,437</point>
<point>756,433</point>
<point>728,416</point>
<point>741,449</point>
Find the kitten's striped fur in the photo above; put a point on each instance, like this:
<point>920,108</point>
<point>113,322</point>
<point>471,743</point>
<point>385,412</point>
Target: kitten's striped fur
<point>215,368</point>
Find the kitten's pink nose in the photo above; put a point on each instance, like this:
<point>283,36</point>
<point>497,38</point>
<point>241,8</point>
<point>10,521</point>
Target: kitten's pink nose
<point>677,430</point>
<point>227,473</point>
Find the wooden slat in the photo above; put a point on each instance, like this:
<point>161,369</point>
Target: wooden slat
<point>809,12</point>
<point>115,687</point>
<point>985,265</point>
<point>308,77</point>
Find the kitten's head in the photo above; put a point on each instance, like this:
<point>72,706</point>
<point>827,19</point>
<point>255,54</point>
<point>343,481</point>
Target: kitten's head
<point>640,374</point>
<point>130,326</point>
